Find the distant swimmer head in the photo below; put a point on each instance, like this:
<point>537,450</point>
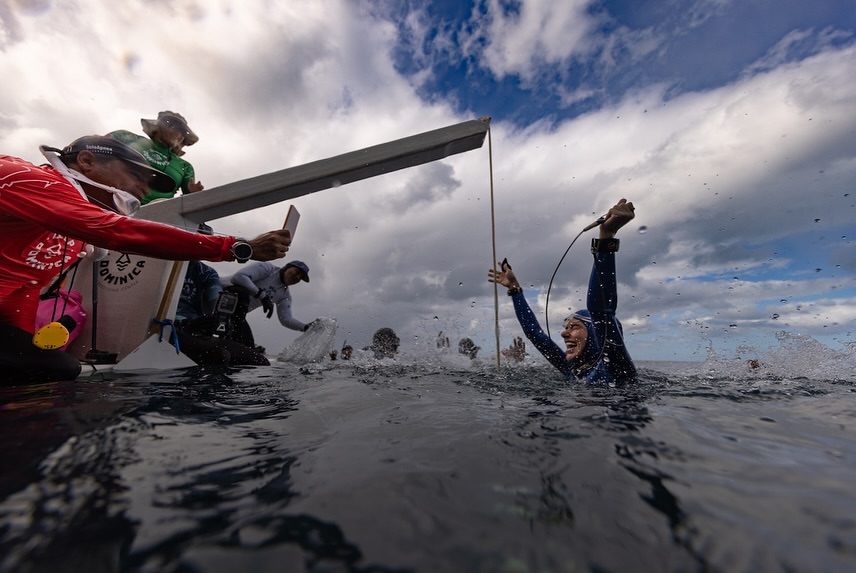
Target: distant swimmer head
<point>171,129</point>
<point>468,348</point>
<point>385,343</point>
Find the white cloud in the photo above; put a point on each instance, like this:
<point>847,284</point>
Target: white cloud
<point>537,32</point>
<point>796,45</point>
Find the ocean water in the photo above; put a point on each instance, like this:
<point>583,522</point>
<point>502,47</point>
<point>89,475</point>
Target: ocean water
<point>433,464</point>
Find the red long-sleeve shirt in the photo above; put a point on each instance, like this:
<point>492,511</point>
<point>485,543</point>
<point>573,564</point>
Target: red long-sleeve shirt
<point>42,216</point>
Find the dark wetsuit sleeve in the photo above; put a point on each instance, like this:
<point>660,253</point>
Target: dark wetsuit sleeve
<point>615,365</point>
<point>545,345</point>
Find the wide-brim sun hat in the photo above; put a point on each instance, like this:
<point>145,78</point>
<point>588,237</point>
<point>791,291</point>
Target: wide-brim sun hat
<point>172,120</point>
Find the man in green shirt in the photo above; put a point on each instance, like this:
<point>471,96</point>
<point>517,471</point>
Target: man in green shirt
<point>167,135</point>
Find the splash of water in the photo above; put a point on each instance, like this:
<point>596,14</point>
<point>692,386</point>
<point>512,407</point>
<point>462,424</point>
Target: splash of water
<point>313,345</point>
<point>797,356</point>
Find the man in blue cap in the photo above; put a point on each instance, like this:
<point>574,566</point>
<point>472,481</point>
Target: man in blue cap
<point>264,285</point>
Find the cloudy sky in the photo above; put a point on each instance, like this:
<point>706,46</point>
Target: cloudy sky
<point>730,124</point>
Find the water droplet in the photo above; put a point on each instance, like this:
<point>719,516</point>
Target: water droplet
<point>643,229</point>
<point>817,270</point>
<point>817,220</point>
<point>732,325</point>
<point>473,304</point>
<point>783,300</point>
<point>775,316</point>
<point>436,317</point>
<point>461,284</point>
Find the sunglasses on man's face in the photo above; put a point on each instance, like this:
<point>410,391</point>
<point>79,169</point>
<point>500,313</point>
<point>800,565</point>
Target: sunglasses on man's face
<point>176,124</point>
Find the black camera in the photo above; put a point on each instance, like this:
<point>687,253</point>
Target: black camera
<point>227,304</point>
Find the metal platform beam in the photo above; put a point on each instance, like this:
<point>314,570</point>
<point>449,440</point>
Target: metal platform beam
<point>301,180</point>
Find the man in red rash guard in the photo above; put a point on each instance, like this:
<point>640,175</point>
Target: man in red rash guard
<point>49,213</point>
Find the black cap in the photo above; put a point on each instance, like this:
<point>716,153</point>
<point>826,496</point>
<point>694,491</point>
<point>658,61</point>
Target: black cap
<point>300,265</point>
<point>109,147</point>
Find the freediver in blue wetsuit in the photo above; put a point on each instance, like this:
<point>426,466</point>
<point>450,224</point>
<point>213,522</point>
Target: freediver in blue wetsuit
<point>594,341</point>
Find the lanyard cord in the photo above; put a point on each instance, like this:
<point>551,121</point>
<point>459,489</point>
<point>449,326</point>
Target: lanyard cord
<point>70,284</point>
<point>53,289</point>
<point>61,265</point>
<point>58,280</point>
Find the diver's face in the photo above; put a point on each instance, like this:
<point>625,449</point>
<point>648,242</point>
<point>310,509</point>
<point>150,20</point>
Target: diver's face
<point>575,336</point>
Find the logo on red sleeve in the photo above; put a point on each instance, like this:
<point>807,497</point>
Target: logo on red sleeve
<point>47,253</point>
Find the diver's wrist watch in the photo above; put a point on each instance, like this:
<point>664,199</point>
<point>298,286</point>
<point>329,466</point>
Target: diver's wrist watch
<point>604,245</point>
<point>241,250</point>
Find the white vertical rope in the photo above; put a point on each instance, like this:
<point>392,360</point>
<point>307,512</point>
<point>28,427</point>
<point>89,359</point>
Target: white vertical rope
<point>493,244</point>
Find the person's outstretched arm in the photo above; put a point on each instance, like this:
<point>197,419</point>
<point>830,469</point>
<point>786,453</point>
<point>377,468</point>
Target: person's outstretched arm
<point>42,196</point>
<point>283,312</point>
<point>531,328</point>
<point>602,297</point>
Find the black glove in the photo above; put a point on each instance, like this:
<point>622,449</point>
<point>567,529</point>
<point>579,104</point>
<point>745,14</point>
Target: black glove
<point>267,305</point>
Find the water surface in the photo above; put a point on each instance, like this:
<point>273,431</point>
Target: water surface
<point>427,465</point>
